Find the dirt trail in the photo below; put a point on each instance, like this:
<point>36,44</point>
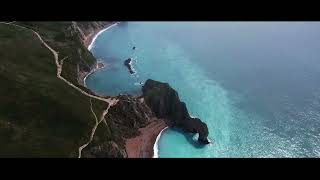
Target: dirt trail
<point>105,112</point>
<point>110,101</point>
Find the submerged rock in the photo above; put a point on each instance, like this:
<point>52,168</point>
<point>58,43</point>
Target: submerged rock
<point>165,103</point>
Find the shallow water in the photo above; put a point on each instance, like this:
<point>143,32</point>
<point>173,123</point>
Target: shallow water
<point>255,84</point>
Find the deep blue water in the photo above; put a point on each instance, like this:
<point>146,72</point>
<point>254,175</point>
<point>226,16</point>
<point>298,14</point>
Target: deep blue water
<point>255,84</point>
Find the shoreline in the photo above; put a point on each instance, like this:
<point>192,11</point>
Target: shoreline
<point>156,144</point>
<point>96,68</point>
<point>92,38</point>
<point>88,43</point>
<point>146,144</point>
<point>143,145</point>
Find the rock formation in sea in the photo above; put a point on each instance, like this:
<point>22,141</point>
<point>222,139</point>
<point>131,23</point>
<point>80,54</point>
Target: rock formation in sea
<point>158,102</point>
<point>165,103</point>
<point>127,63</point>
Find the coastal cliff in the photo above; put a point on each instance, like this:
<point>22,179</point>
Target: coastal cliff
<point>42,116</point>
<point>86,32</point>
<point>165,103</point>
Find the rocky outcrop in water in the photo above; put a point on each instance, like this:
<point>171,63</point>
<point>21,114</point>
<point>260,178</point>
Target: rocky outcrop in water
<point>127,63</point>
<point>165,103</point>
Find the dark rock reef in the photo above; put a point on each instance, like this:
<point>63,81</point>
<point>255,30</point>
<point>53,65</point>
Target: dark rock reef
<point>127,63</point>
<point>165,103</point>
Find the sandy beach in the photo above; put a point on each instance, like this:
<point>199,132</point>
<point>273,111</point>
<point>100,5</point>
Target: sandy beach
<point>92,36</point>
<point>89,39</point>
<point>142,145</point>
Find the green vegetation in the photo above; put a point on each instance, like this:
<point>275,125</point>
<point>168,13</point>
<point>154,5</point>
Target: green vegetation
<point>62,37</point>
<point>40,115</point>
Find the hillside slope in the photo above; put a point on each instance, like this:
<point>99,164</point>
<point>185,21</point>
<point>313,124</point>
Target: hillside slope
<point>40,115</point>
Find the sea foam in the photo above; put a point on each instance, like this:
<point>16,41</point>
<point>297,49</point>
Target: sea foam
<point>156,147</point>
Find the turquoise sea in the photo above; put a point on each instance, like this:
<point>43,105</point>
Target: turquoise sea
<point>255,84</point>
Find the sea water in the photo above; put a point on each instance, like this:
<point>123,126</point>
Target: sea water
<point>255,84</point>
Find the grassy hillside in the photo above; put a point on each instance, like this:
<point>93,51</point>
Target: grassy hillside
<point>40,116</point>
<point>64,39</point>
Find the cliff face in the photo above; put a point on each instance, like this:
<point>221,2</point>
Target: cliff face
<point>165,103</point>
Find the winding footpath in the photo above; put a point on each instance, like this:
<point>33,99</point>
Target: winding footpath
<point>111,101</point>
<point>105,112</point>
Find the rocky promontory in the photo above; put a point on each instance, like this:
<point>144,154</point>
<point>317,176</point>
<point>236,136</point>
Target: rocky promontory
<point>135,122</point>
<point>165,103</point>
